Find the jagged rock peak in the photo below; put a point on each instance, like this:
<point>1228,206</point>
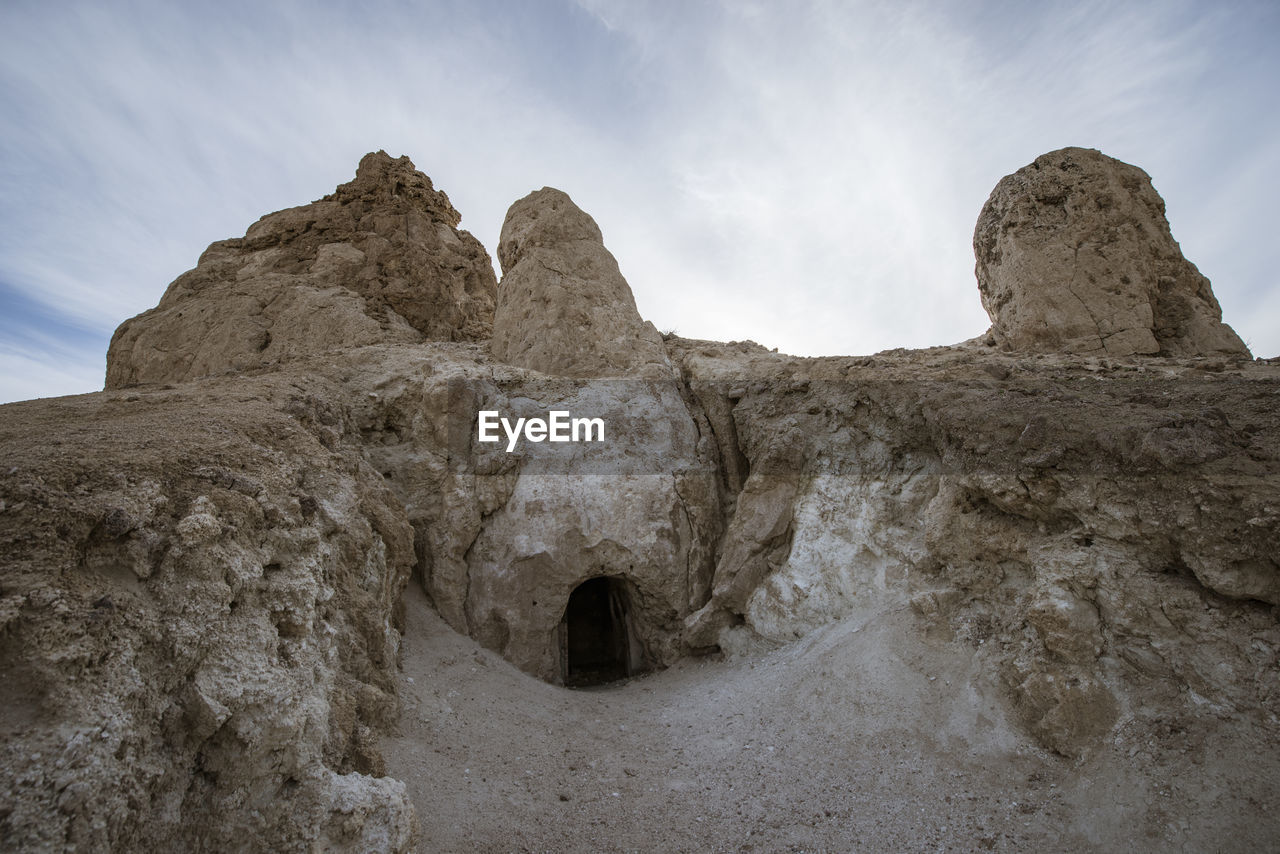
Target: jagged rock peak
<point>1074,254</point>
<point>381,179</point>
<point>380,260</point>
<point>563,306</point>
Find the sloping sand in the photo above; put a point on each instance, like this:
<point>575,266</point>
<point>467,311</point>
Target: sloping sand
<point>856,738</point>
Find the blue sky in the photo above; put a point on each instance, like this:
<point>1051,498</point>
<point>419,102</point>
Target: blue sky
<point>803,174</point>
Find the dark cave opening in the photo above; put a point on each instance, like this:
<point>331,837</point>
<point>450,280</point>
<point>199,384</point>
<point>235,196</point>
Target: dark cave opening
<point>597,638</point>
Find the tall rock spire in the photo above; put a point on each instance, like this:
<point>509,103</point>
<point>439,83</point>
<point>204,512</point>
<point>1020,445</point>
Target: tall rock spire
<point>563,306</point>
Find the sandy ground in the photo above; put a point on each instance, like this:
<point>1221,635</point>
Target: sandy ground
<point>856,738</point>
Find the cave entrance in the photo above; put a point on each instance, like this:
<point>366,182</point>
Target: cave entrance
<point>598,643</point>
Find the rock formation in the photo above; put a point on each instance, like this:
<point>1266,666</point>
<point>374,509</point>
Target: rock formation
<point>380,259</point>
<point>563,306</point>
<point>201,593</point>
<point>1075,256</point>
<point>505,538</point>
<point>197,626</point>
<point>1100,535</point>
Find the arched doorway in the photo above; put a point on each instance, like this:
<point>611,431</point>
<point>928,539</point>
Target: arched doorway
<point>597,639</point>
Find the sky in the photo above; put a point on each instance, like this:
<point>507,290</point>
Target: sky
<point>805,174</point>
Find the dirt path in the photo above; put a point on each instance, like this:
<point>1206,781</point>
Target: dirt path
<point>853,739</point>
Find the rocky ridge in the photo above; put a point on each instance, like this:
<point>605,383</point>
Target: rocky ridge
<point>203,581</point>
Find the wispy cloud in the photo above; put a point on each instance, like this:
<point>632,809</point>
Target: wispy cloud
<point>806,174</point>
<point>833,156</point>
<point>43,353</point>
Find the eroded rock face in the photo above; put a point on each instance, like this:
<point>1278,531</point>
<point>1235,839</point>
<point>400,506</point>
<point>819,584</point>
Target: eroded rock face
<point>379,260</point>
<point>1099,537</point>
<point>200,587</point>
<point>198,630</point>
<point>505,538</point>
<point>1074,255</point>
<point>563,306</point>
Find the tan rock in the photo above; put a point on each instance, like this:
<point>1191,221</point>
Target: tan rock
<point>200,588</point>
<point>1027,517</point>
<point>200,631</point>
<point>563,306</point>
<point>1075,255</point>
<point>379,260</point>
<point>1068,625</point>
<point>1067,711</point>
<point>506,538</point>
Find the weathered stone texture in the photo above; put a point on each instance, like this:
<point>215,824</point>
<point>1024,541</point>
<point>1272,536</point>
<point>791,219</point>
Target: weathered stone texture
<point>1062,520</point>
<point>198,630</point>
<point>563,306</point>
<point>1074,255</point>
<point>200,587</point>
<point>379,260</point>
